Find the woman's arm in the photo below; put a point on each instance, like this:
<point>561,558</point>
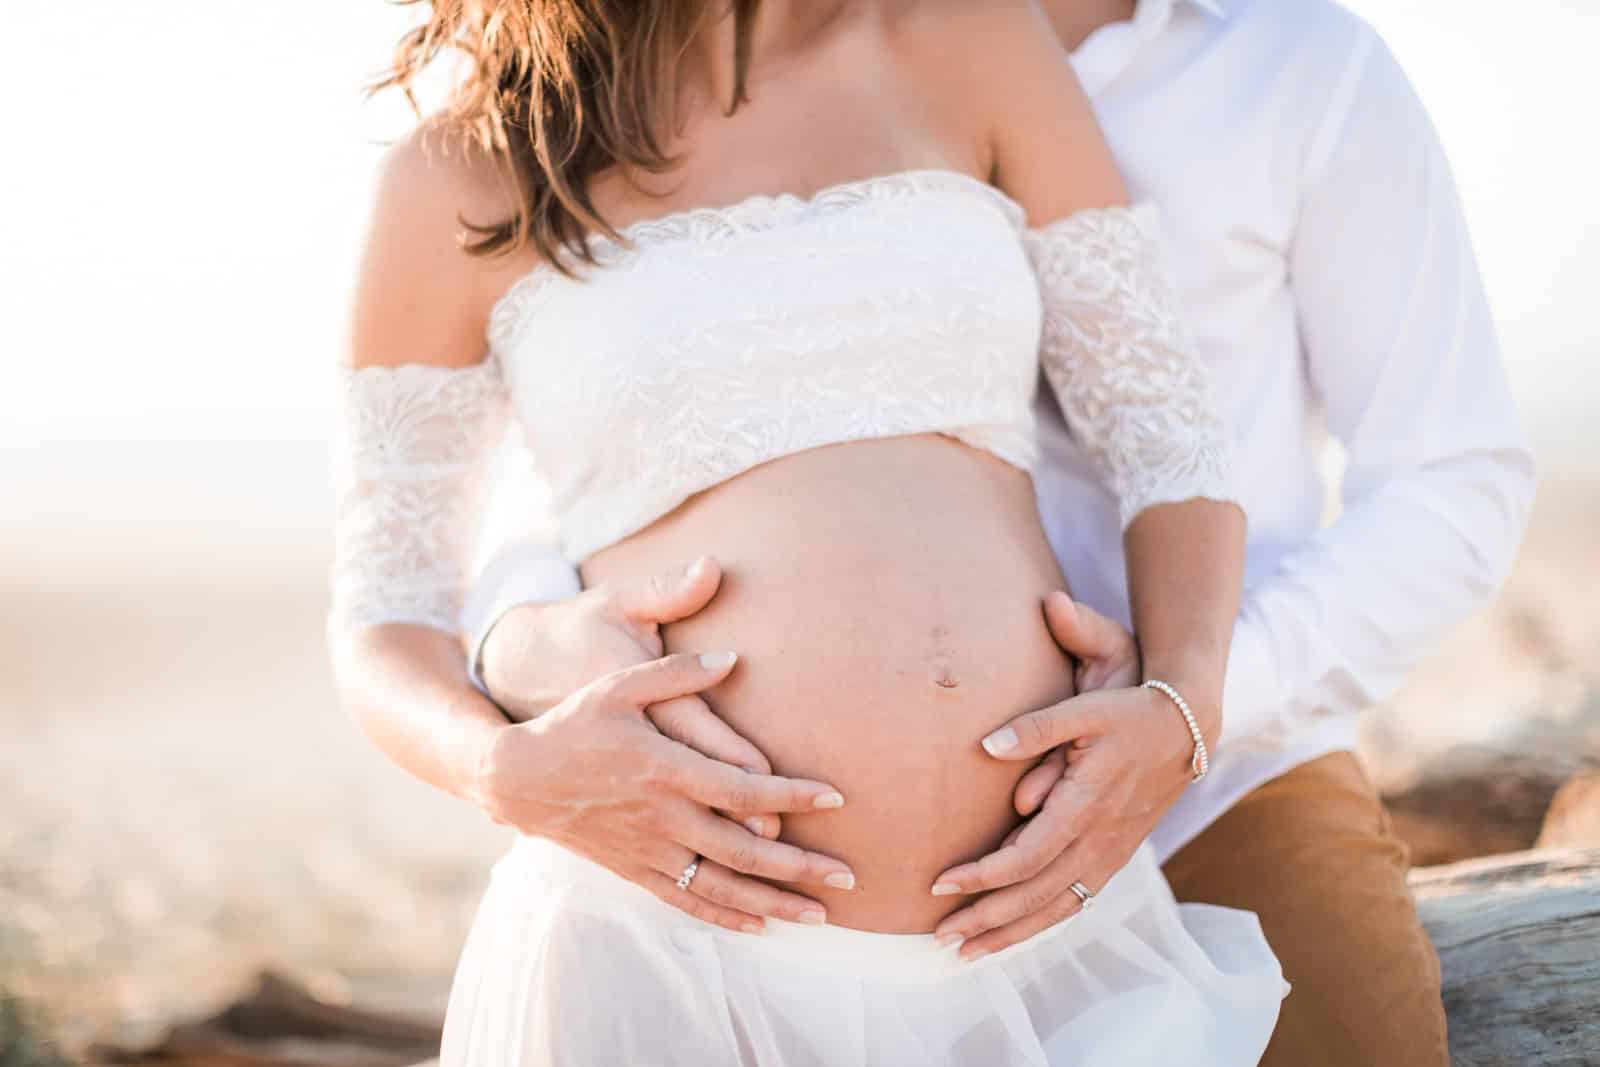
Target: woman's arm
<point>1130,384</point>
<point>1138,400</point>
<point>403,533</point>
<point>423,408</point>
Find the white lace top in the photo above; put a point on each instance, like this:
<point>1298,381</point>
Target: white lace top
<point>718,339</point>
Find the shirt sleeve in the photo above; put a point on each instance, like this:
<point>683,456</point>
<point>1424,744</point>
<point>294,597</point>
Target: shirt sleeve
<point>1131,386</point>
<point>1401,352</point>
<point>522,572</point>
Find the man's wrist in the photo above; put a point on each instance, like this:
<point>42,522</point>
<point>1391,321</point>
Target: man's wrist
<point>476,668</point>
<point>542,578</point>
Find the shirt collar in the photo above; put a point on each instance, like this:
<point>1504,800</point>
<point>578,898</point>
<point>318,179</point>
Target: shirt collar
<point>1108,50</point>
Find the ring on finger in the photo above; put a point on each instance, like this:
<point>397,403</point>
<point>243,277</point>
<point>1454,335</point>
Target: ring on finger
<point>1085,897</point>
<point>688,873</point>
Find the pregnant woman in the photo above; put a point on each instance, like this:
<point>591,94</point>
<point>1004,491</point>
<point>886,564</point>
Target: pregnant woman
<point>778,285</point>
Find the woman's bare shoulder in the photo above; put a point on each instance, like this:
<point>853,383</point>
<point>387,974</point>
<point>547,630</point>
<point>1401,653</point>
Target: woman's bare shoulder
<point>420,296</point>
<point>439,165</point>
<point>1000,63</point>
<point>984,62</point>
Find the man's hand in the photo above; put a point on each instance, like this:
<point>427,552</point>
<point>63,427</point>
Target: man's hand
<point>1116,758</point>
<point>537,656</point>
<point>593,774</point>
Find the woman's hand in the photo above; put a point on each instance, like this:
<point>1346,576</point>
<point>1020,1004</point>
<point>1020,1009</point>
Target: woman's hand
<point>595,775</point>
<point>537,661</point>
<point>1115,759</point>
<point>536,655</point>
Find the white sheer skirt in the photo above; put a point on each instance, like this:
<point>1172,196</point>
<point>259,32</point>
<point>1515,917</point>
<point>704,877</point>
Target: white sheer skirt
<point>567,964</point>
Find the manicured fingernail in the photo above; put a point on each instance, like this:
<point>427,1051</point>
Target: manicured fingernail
<point>753,926</point>
<point>840,880</point>
<point>715,661</point>
<point>754,825</point>
<point>813,916</point>
<point>975,955</point>
<point>828,800</point>
<point>1000,741</point>
<point>948,940</point>
<point>946,889</point>
<point>694,569</point>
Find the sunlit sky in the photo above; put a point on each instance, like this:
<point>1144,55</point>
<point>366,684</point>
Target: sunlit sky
<point>184,184</point>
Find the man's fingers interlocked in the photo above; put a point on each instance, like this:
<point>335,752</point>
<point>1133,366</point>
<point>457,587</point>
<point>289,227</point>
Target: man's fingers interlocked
<point>690,721</point>
<point>637,687</point>
<point>717,785</point>
<point>1037,783</point>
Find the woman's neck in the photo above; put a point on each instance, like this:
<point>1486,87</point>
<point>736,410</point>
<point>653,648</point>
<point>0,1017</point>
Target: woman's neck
<point>781,31</point>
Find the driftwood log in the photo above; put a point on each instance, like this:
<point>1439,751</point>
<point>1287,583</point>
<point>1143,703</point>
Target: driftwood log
<point>1574,815</point>
<point>1474,800</point>
<point>1519,941</point>
<point>280,1024</point>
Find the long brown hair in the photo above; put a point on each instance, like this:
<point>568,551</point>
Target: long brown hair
<point>559,91</point>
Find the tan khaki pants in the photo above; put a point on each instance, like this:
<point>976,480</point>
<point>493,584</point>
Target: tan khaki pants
<point>1312,854</point>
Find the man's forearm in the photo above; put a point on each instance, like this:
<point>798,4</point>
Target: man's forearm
<point>1403,360</point>
<point>1339,624</point>
<point>523,572</point>
<point>407,688</point>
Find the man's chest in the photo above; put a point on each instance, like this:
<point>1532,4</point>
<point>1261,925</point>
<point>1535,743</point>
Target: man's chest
<point>1219,151</point>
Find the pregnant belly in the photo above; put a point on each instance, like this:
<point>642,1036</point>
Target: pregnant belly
<point>884,599</point>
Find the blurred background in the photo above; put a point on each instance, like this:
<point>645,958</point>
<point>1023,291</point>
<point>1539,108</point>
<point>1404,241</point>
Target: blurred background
<point>181,803</point>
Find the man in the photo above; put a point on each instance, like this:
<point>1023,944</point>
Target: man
<point>1325,270</point>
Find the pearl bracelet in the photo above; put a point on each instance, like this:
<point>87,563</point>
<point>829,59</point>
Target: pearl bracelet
<point>1201,762</point>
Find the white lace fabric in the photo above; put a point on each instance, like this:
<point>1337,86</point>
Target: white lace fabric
<point>410,484</point>
<point>718,340</point>
<point>712,341</point>
<point>1128,380</point>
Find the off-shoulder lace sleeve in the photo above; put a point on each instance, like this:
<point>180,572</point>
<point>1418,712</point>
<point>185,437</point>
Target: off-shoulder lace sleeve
<point>411,468</point>
<point>1132,388</point>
